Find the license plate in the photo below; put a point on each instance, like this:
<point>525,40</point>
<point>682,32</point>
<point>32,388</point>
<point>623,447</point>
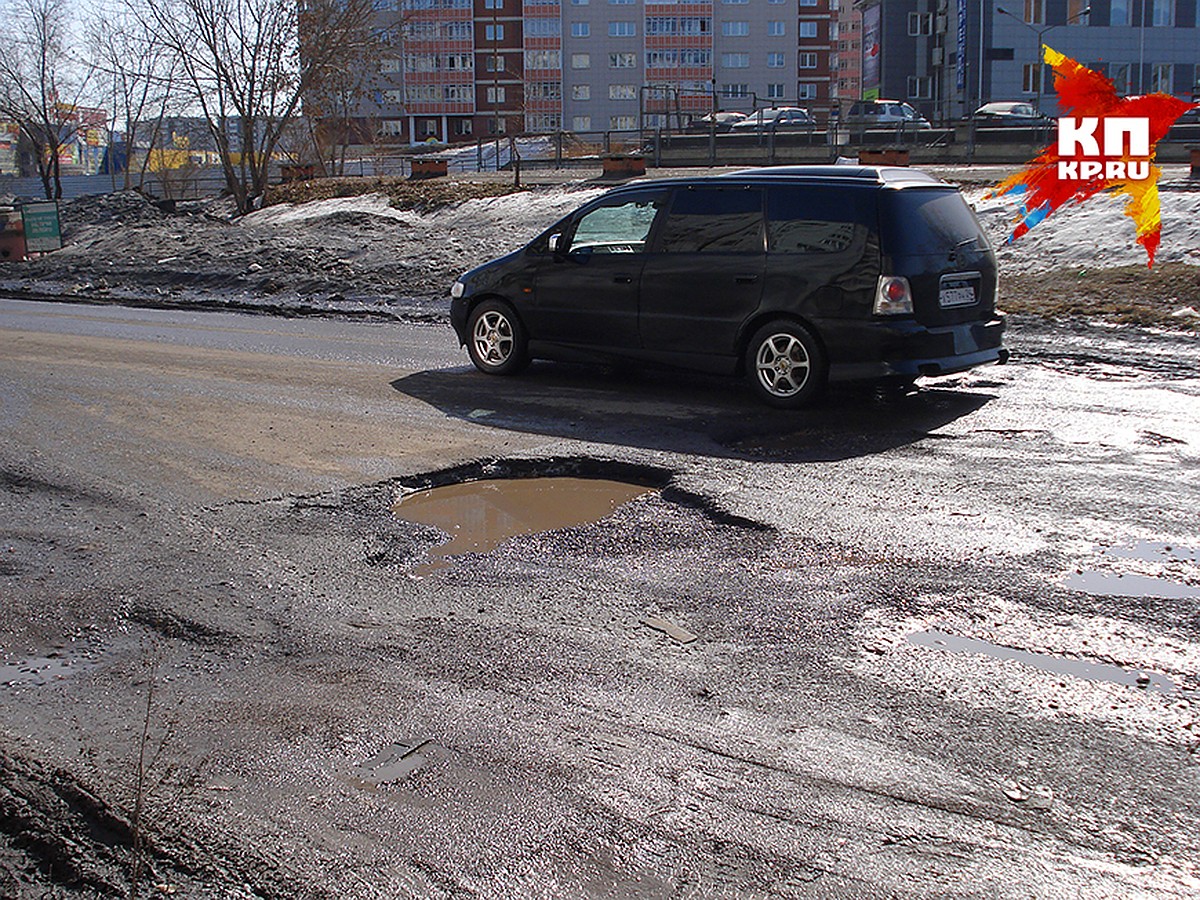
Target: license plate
<point>958,292</point>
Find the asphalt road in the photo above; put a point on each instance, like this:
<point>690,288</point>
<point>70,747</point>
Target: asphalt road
<point>944,646</point>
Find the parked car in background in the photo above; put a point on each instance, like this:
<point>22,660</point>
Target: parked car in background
<point>884,114</point>
<point>777,118</point>
<point>1006,113</point>
<point>718,121</point>
<point>793,276</point>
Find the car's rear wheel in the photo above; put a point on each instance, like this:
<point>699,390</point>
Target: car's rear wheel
<point>496,339</point>
<point>786,364</point>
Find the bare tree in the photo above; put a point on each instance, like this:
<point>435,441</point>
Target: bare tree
<point>246,64</point>
<point>139,75</point>
<point>40,85</point>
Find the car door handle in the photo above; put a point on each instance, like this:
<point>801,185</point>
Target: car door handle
<point>623,279</point>
<point>745,279</point>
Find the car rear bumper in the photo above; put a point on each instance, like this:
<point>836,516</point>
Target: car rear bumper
<point>909,349</point>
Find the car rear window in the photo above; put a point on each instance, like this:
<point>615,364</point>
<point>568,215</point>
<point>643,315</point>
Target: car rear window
<point>918,222</point>
<point>818,219</point>
<point>714,220</point>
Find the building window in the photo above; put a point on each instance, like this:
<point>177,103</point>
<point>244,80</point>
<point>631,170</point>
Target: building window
<point>808,2</point>
<point>1035,12</point>
<point>695,59</point>
<point>695,25</point>
<point>662,25</point>
<point>778,29</point>
<point>919,87</point>
<point>543,122</point>
<point>1075,12</point>
<point>463,126</point>
<point>735,60</point>
<point>1119,73</point>
<point>622,92</point>
<point>543,59</point>
<point>1160,78</point>
<point>495,95</point>
<point>579,2</point>
<point>580,29</point>
<point>622,29</point>
<point>622,123</point>
<point>457,31</point>
<point>457,93</point>
<point>806,60</point>
<point>581,123</point>
<point>806,91</point>
<point>544,90</point>
<point>622,60</point>
<point>581,60</point>
<point>493,32</point>
<point>1118,13</point>
<point>581,92</point>
<point>493,4</point>
<point>494,63</point>
<point>389,65</point>
<point>735,2</point>
<point>1162,16</point>
<point>391,127</point>
<point>620,2</point>
<point>1029,77</point>
<point>920,23</point>
<point>776,60</point>
<point>662,59</point>
<point>807,29</point>
<point>734,91</point>
<point>774,91</point>
<point>735,29</point>
<point>543,27</point>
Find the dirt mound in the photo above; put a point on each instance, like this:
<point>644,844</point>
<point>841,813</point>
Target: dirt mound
<point>121,208</point>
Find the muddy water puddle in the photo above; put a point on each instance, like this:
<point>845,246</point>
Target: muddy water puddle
<point>1119,584</point>
<point>478,516</point>
<point>59,663</point>
<point>1058,665</point>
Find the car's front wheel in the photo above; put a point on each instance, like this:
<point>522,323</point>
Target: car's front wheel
<point>496,340</point>
<point>786,364</point>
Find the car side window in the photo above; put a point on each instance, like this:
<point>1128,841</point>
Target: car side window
<point>714,220</point>
<point>818,220</point>
<point>620,226</point>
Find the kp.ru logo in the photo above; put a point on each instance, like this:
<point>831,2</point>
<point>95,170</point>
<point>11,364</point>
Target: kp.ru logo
<point>1105,143</point>
<point>1080,157</point>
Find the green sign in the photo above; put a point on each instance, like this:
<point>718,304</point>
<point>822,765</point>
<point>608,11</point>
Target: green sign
<point>42,231</point>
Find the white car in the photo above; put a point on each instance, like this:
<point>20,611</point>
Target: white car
<point>884,114</point>
<point>776,118</point>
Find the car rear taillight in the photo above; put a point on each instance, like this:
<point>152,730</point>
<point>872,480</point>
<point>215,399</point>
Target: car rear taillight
<point>893,296</point>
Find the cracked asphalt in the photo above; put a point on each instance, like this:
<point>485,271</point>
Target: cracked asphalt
<point>217,648</point>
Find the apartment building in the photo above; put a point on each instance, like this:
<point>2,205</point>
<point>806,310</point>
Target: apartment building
<point>453,70</point>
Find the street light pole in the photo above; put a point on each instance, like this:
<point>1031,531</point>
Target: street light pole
<point>1041,32</point>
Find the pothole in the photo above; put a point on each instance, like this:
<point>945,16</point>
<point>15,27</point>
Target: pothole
<point>1059,665</point>
<point>478,516</point>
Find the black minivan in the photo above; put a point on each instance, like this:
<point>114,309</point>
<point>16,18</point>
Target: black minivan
<point>794,276</point>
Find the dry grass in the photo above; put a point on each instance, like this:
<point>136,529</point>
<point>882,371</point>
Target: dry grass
<point>1128,294</point>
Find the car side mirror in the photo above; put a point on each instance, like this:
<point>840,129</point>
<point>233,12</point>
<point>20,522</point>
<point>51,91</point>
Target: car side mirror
<point>555,243</point>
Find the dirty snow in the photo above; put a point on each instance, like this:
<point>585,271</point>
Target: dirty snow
<point>1094,234</point>
<point>359,254</point>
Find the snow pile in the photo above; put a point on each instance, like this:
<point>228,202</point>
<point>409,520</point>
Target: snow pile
<point>1094,234</point>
